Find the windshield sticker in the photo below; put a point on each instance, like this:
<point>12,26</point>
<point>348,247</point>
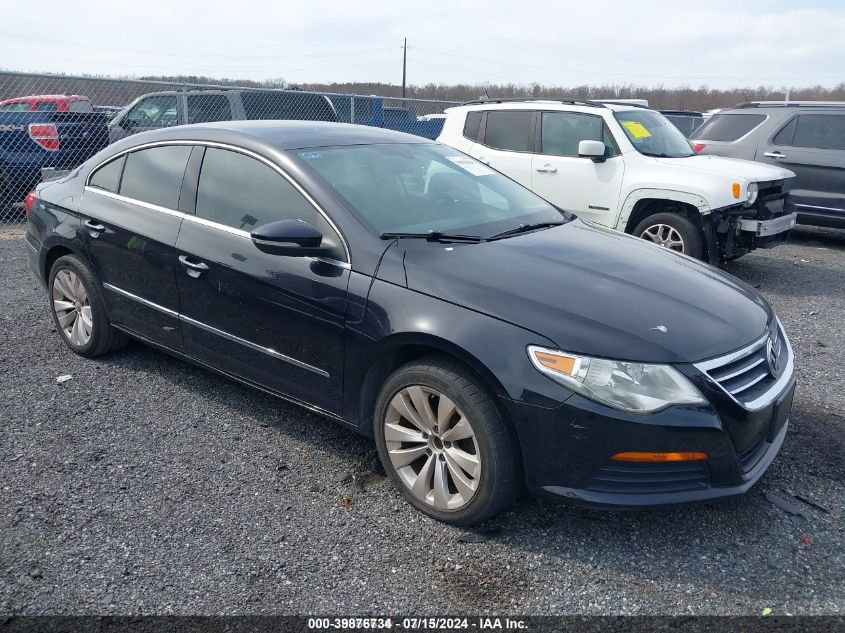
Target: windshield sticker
<point>311,155</point>
<point>472,166</point>
<point>637,130</point>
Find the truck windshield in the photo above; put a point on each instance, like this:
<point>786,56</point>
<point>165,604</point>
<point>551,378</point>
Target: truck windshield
<point>652,134</point>
<point>419,187</point>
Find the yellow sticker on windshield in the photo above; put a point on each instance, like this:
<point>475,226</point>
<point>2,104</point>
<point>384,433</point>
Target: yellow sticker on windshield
<point>637,130</point>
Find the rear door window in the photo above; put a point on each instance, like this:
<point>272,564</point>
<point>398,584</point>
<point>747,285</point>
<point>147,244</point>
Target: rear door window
<point>509,130</point>
<point>822,131</point>
<point>206,108</point>
<point>288,105</point>
<point>45,106</point>
<point>107,177</point>
<point>155,175</point>
<point>728,127</point>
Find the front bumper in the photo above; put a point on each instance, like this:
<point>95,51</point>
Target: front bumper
<point>567,450</point>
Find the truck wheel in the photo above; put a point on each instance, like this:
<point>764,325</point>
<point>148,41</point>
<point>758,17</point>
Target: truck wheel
<point>444,444</point>
<point>672,231</point>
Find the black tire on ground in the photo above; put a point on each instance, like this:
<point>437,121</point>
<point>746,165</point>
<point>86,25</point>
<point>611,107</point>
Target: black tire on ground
<point>501,480</point>
<point>104,338</point>
<point>693,240</point>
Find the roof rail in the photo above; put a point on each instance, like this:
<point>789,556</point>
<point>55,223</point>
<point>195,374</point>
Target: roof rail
<point>585,102</point>
<point>789,104</point>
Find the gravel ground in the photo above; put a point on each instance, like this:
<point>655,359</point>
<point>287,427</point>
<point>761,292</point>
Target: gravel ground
<point>144,485</point>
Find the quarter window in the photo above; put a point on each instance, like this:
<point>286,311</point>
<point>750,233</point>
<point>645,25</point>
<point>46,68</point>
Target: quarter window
<point>471,125</point>
<point>107,177</point>
<point>510,130</point>
<point>561,132</point>
<point>243,193</point>
<point>206,108</point>
<point>155,175</point>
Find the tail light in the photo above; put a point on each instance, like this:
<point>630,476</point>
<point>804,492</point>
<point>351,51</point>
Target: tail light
<point>29,202</point>
<point>698,147</point>
<point>45,134</point>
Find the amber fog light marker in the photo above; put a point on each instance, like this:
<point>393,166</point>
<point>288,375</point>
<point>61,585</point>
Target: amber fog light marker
<point>635,456</point>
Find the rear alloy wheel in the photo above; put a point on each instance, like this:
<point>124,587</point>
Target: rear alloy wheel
<point>444,444</point>
<point>78,309</point>
<point>72,307</point>
<point>673,231</point>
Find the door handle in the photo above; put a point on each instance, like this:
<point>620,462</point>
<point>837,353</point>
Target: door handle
<point>775,154</point>
<point>94,229</point>
<point>547,169</point>
<point>195,269</point>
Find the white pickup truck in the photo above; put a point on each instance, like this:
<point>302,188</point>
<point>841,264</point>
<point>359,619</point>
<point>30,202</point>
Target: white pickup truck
<point>627,168</point>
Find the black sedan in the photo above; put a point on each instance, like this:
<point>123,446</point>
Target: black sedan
<point>487,340</point>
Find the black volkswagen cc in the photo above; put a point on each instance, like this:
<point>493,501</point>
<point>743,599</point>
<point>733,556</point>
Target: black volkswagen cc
<point>486,340</point>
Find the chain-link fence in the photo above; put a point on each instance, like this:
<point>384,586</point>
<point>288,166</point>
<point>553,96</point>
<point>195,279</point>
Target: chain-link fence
<point>56,122</point>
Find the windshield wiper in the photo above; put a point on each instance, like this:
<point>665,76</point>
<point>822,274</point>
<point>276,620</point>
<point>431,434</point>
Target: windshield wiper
<point>524,228</point>
<point>431,236</point>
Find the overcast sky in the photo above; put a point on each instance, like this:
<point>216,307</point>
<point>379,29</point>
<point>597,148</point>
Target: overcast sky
<point>713,42</point>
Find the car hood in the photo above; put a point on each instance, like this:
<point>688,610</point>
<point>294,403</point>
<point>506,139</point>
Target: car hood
<point>736,168</point>
<point>595,291</point>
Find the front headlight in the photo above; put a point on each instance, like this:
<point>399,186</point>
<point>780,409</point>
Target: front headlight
<point>751,193</point>
<point>632,387</point>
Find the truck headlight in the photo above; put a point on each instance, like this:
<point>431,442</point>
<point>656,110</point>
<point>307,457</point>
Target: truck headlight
<point>751,193</point>
<point>631,387</point>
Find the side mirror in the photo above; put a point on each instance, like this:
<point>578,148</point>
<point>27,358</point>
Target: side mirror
<point>594,150</point>
<point>293,238</point>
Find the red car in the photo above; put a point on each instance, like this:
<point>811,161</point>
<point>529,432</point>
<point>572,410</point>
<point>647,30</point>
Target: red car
<point>47,103</point>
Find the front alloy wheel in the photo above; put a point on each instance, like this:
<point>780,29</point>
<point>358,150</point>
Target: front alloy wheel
<point>444,443</point>
<point>432,447</point>
<point>665,236</point>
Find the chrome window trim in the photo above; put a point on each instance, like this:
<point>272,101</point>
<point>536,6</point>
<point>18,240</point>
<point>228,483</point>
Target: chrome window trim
<point>233,148</point>
<point>208,328</point>
<point>140,203</point>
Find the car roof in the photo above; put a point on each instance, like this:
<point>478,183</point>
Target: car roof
<point>45,98</point>
<point>546,104</point>
<point>788,107</point>
<point>281,135</point>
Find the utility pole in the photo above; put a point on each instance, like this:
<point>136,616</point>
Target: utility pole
<point>404,65</point>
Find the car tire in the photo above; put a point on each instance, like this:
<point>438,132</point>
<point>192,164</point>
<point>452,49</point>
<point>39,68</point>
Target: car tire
<point>440,477</point>
<point>668,229</point>
<point>78,310</point>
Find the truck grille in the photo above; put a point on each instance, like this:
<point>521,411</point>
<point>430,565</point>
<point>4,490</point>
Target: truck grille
<point>748,376</point>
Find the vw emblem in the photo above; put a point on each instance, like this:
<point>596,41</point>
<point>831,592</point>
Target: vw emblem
<point>773,354</point>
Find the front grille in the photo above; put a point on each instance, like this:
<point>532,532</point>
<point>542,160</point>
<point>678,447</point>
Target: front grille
<point>650,478</point>
<point>747,376</point>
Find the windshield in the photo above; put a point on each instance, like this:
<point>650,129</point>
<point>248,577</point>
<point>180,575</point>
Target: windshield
<point>415,188</point>
<point>653,135</point>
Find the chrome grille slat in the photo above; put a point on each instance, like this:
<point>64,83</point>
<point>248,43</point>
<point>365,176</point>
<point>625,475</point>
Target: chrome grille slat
<point>736,372</point>
<point>750,383</point>
<point>744,374</point>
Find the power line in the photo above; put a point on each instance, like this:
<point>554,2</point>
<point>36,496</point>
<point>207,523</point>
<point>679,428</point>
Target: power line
<point>593,72</point>
<point>171,53</point>
<point>182,70</point>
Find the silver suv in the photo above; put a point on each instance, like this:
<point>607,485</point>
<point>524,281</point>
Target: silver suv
<point>806,137</point>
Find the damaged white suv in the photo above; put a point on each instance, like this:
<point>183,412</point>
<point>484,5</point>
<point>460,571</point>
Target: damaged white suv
<point>627,168</point>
